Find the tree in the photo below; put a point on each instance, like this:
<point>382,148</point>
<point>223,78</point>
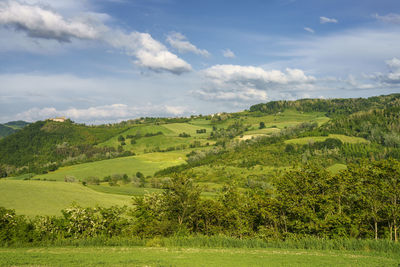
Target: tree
<point>181,198</point>
<point>262,125</point>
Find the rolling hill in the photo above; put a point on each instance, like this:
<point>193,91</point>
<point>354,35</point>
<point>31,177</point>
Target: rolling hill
<point>11,127</point>
<point>249,148</point>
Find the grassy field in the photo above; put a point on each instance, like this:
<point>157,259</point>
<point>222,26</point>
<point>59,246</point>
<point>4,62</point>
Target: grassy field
<point>49,198</point>
<point>146,163</point>
<point>336,168</point>
<point>343,138</point>
<point>287,118</point>
<point>169,138</point>
<point>128,189</point>
<point>156,256</point>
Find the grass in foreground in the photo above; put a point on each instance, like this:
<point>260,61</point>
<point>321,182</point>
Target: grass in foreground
<point>156,256</point>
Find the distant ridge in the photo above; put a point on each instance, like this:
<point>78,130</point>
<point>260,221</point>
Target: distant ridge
<point>11,127</point>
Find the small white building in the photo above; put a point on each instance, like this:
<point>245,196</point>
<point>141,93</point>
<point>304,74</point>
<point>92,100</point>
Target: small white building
<point>58,119</point>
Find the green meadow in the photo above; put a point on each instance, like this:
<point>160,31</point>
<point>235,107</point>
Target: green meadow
<point>146,163</point>
<point>33,198</point>
<point>175,256</point>
<point>343,138</point>
<point>168,139</point>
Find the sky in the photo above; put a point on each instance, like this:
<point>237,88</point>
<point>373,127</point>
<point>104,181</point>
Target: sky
<point>101,61</point>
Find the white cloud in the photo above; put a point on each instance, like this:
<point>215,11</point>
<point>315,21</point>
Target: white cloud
<point>42,23</point>
<point>228,53</point>
<point>149,52</point>
<point>391,18</point>
<point>114,112</point>
<point>246,94</point>
<point>324,20</point>
<point>393,63</point>
<point>250,74</point>
<point>180,42</point>
<point>250,83</point>
<point>309,30</point>
<point>393,77</point>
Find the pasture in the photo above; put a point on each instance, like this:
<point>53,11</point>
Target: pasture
<point>176,256</point>
<point>343,138</point>
<point>148,164</point>
<point>33,198</point>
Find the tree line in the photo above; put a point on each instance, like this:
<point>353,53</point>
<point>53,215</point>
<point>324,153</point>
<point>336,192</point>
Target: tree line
<point>360,202</point>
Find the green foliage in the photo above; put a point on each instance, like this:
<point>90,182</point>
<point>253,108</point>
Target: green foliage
<point>43,145</point>
<point>332,107</point>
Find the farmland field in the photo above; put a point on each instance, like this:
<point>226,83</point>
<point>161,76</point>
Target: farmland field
<point>343,138</point>
<point>33,198</point>
<point>146,163</point>
<point>156,256</point>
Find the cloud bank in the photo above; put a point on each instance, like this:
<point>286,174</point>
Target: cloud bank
<point>101,113</point>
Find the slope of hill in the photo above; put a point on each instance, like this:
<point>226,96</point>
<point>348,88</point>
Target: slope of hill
<point>49,198</point>
<point>6,131</point>
<point>11,127</point>
<point>43,145</point>
<point>17,125</point>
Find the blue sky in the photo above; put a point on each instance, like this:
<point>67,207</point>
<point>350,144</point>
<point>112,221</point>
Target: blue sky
<point>111,60</point>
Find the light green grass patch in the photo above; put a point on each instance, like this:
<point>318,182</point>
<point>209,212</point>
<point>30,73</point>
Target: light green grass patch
<point>128,189</point>
<point>125,165</point>
<point>155,256</point>
<point>266,131</point>
<point>49,198</point>
<point>336,168</point>
<point>142,129</point>
<point>343,138</point>
<point>288,118</point>
<point>178,128</point>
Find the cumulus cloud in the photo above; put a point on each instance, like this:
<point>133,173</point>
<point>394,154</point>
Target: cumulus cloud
<point>228,53</point>
<point>309,30</point>
<point>393,63</point>
<point>114,112</point>
<point>249,74</point>
<point>149,52</point>
<point>249,83</point>
<point>324,20</point>
<point>391,18</point>
<point>180,43</point>
<point>42,23</point>
<point>393,77</point>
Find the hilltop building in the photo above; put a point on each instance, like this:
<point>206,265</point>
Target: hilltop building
<point>58,119</point>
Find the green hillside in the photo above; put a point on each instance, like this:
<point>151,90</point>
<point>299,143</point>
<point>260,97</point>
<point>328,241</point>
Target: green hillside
<point>248,148</point>
<point>49,198</point>
<point>148,164</point>
<point>6,131</point>
<point>11,127</point>
<point>17,125</point>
